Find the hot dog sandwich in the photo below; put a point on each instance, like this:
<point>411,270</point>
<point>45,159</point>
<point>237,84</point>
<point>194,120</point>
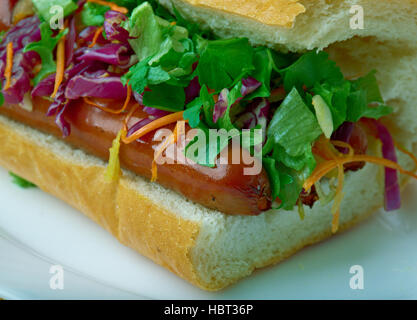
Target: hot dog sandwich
<point>214,137</point>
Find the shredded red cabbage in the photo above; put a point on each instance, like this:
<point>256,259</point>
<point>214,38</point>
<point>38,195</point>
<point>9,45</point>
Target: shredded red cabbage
<point>221,105</point>
<point>138,97</point>
<point>62,123</point>
<point>20,85</point>
<point>45,87</point>
<point>138,125</point>
<point>392,188</point>
<point>59,102</point>
<point>193,90</point>
<point>257,115</point>
<point>155,113</point>
<point>343,133</point>
<point>249,85</point>
<point>112,53</point>
<point>105,87</point>
<point>70,42</point>
<point>113,28</point>
<point>24,32</point>
<point>87,35</point>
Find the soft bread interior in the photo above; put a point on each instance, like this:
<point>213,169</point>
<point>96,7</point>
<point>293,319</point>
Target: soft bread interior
<point>323,22</point>
<point>208,248</point>
<point>387,44</point>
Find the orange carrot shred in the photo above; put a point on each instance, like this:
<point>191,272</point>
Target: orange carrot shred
<point>96,35</point>
<point>343,144</point>
<point>158,123</point>
<point>126,103</point>
<point>323,148</point>
<point>60,65</point>
<point>173,138</point>
<point>323,168</point>
<point>338,198</point>
<point>112,6</point>
<point>9,66</point>
<point>405,151</point>
<point>129,115</point>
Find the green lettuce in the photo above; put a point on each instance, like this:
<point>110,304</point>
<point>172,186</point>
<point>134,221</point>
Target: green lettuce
<point>42,7</point>
<point>45,48</point>
<point>93,14</point>
<point>23,183</point>
<point>293,125</point>
<point>168,54</point>
<point>223,62</point>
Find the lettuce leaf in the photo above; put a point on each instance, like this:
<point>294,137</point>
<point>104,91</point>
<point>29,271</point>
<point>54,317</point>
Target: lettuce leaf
<point>165,97</point>
<point>93,14</point>
<point>23,183</point>
<point>335,96</point>
<point>273,174</point>
<point>223,62</point>
<point>309,69</point>
<point>263,65</point>
<point>365,91</point>
<point>42,7</point>
<point>144,26</point>
<point>195,107</point>
<point>293,125</point>
<point>45,48</point>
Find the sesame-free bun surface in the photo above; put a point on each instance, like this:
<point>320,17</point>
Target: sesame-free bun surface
<point>208,248</point>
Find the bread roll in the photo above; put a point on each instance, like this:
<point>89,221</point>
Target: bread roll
<point>208,248</point>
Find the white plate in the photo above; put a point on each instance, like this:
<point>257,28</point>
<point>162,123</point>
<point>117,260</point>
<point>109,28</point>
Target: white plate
<point>37,231</point>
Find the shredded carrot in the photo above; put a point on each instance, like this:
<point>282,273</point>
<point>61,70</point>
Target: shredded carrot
<point>408,153</point>
<point>333,159</point>
<point>324,149</point>
<point>338,198</point>
<point>96,35</point>
<point>60,65</point>
<point>168,119</point>
<point>129,115</point>
<point>173,138</point>
<point>112,5</point>
<point>343,144</point>
<point>9,66</point>
<point>126,103</point>
<point>327,151</point>
<point>173,23</point>
<point>325,167</point>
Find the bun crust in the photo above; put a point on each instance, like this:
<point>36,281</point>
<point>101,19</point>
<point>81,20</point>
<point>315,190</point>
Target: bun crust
<point>319,24</point>
<point>207,248</point>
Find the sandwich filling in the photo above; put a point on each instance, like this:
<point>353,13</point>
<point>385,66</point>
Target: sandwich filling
<point>122,56</point>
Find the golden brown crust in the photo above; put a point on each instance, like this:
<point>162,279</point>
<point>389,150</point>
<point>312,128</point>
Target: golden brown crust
<point>280,13</point>
<point>135,220</point>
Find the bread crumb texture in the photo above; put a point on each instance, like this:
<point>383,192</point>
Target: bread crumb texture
<point>319,24</point>
<point>271,12</point>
